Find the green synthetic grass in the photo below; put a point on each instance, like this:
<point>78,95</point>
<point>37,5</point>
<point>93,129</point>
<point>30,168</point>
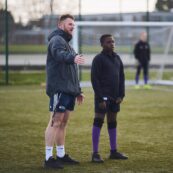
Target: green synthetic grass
<point>38,77</point>
<point>24,78</point>
<point>130,75</point>
<point>42,49</point>
<point>144,132</point>
<point>25,49</point>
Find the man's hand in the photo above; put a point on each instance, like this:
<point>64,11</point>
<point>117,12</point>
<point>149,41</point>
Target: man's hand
<point>119,100</point>
<point>79,59</point>
<point>102,105</point>
<point>80,98</point>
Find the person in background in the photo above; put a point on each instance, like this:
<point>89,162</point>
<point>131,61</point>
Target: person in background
<point>142,55</point>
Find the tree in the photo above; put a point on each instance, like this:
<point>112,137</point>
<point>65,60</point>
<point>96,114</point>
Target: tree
<point>11,23</point>
<point>1,5</point>
<point>164,5</point>
<point>26,10</point>
<point>51,6</point>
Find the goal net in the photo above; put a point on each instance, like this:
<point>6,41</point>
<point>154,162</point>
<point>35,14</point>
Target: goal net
<point>160,36</point>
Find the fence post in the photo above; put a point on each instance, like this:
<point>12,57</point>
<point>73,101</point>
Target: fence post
<point>6,44</point>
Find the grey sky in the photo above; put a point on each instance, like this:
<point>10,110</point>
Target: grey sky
<point>23,10</point>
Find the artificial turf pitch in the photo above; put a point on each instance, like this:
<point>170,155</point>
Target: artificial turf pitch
<point>145,132</point>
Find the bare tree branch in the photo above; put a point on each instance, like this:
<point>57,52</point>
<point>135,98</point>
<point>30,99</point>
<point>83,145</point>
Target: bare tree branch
<point>35,9</point>
<point>51,6</point>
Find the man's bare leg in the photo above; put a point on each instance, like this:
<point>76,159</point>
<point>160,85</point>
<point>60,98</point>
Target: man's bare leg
<point>60,135</point>
<point>51,131</point>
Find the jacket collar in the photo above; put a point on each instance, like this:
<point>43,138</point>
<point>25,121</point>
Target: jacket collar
<point>61,33</point>
<point>108,54</point>
<point>65,35</point>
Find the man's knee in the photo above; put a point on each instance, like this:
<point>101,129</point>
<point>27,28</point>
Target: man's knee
<point>59,124</point>
<point>98,122</point>
<point>56,123</point>
<point>56,120</point>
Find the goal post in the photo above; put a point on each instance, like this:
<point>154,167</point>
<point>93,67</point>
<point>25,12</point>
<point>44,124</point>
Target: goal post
<point>127,34</point>
<point>112,23</point>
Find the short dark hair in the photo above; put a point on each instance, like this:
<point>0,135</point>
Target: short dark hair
<point>103,37</point>
<point>65,16</point>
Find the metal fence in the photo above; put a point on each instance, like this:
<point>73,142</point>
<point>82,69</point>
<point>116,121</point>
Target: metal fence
<point>25,26</point>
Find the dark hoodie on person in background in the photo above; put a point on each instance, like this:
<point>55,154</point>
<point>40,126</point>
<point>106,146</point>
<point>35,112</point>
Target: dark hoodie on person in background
<point>142,52</point>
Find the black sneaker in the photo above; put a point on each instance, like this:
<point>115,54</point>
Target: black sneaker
<point>67,160</point>
<point>52,163</point>
<point>117,155</point>
<point>96,158</point>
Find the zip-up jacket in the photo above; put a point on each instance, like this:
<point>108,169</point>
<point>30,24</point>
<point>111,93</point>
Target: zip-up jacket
<point>107,76</point>
<point>142,52</point>
<point>62,72</point>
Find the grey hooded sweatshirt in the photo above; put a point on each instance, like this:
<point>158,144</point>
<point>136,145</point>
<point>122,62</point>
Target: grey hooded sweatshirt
<point>62,72</point>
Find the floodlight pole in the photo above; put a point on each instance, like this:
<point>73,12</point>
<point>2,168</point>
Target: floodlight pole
<point>120,10</point>
<point>147,19</point>
<point>6,43</point>
<point>80,19</point>
<point>80,40</point>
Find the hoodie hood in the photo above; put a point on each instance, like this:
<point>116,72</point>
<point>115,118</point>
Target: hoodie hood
<point>61,33</point>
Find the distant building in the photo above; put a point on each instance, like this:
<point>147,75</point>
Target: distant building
<point>39,30</point>
<point>50,21</point>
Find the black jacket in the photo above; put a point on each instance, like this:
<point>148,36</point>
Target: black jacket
<point>142,52</point>
<point>62,72</point>
<point>107,76</point>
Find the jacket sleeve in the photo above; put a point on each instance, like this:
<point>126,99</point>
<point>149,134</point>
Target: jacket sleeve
<point>59,51</point>
<point>95,78</point>
<point>149,53</point>
<point>136,54</point>
<point>122,81</point>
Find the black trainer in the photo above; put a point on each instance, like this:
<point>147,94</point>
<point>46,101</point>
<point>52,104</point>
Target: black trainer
<point>96,158</point>
<point>67,160</point>
<point>52,163</point>
<point>117,155</point>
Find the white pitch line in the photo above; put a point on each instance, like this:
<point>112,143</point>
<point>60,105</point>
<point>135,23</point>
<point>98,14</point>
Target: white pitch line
<point>163,89</point>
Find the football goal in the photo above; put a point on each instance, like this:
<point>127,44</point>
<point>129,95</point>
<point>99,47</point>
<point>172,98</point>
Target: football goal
<point>160,36</point>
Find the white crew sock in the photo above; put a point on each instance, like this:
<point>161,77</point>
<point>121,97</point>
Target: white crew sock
<point>60,150</point>
<point>49,152</point>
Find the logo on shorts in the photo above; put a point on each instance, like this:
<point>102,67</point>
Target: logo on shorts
<point>62,107</point>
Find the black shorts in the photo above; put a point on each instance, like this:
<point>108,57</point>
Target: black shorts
<point>61,102</point>
<point>111,106</point>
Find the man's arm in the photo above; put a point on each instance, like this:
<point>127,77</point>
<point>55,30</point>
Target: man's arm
<point>149,53</point>
<point>135,51</point>
<point>60,53</point>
